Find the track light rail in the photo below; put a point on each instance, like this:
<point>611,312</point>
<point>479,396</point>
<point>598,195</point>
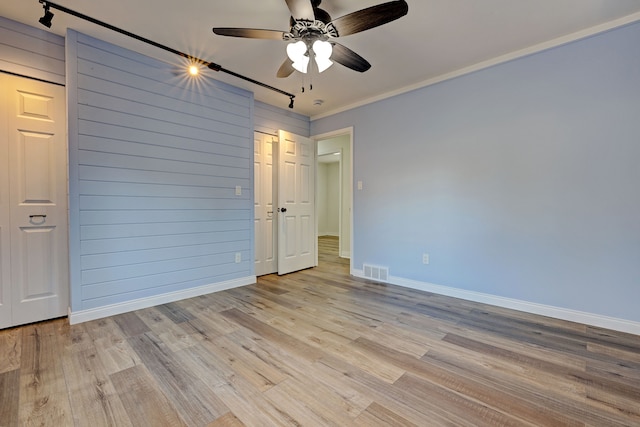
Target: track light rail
<point>211,65</point>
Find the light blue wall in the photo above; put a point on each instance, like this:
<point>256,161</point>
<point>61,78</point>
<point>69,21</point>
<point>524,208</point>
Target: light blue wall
<point>154,163</point>
<point>32,52</point>
<point>520,180</point>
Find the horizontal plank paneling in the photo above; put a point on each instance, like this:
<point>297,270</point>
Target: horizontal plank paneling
<point>233,125</point>
<point>174,253</point>
<point>100,188</point>
<point>130,148</point>
<point>270,119</point>
<point>148,293</point>
<point>90,217</point>
<point>155,163</point>
<point>217,110</point>
<point>89,247</point>
<point>138,203</point>
<point>31,52</point>
<point>135,120</point>
<point>100,275</point>
<point>93,232</point>
<point>201,275</point>
<point>208,142</point>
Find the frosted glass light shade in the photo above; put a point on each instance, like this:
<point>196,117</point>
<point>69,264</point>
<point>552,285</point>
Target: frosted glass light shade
<point>322,51</point>
<point>297,53</point>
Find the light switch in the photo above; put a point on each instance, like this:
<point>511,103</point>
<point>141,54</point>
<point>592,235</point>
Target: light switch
<point>238,190</point>
<point>359,185</point>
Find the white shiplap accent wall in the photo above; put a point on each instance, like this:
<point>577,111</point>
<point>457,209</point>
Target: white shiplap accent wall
<point>154,165</point>
<point>31,52</point>
<point>270,119</point>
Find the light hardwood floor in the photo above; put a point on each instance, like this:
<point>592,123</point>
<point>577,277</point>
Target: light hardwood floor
<point>318,348</point>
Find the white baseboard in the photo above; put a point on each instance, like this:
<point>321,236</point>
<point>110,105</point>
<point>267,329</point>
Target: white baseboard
<point>586,318</point>
<point>124,307</point>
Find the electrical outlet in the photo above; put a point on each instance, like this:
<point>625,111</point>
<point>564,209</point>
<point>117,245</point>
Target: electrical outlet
<point>238,257</point>
<point>425,258</point>
<point>238,190</point>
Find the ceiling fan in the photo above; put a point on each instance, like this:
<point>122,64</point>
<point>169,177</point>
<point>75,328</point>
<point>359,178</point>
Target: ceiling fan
<point>312,32</point>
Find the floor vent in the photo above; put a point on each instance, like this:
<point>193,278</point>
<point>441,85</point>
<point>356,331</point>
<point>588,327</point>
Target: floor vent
<point>376,272</point>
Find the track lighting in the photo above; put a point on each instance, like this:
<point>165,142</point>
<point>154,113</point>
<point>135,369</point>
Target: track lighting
<point>48,15</point>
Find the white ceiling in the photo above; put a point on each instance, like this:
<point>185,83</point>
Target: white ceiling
<point>437,38</point>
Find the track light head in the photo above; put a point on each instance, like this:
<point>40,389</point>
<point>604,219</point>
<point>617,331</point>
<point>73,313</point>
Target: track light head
<point>48,16</point>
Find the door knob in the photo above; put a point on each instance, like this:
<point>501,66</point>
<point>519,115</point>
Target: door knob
<point>283,210</point>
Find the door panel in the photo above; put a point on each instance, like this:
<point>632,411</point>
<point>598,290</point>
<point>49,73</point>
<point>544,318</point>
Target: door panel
<point>265,245</point>
<point>5,228</point>
<point>296,203</point>
<point>37,157</point>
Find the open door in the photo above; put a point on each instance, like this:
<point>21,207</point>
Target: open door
<point>296,203</point>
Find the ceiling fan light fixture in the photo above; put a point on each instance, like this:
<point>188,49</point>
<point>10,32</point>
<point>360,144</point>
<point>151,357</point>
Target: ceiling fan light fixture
<point>297,53</point>
<point>322,51</point>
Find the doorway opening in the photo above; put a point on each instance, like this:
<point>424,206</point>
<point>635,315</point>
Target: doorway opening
<point>334,195</point>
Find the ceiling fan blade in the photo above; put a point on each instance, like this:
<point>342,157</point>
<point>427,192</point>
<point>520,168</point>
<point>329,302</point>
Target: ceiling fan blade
<point>251,33</point>
<point>345,56</point>
<point>286,69</point>
<point>301,9</point>
<point>370,17</point>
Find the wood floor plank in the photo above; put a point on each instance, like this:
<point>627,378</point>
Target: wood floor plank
<point>170,332</point>
<point>401,401</point>
<point>111,345</point>
<point>477,390</point>
<point>377,415</point>
<point>10,349</point>
<point>92,394</point>
<point>196,403</point>
<point>245,363</point>
<point>245,401</point>
<point>43,389</point>
<point>227,420</point>
<point>290,343</point>
<point>297,367</point>
<point>9,398</point>
<point>176,313</point>
<point>145,404</point>
<point>464,406</point>
<point>131,324</point>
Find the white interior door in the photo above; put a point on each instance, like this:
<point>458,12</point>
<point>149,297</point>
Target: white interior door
<point>296,203</point>
<point>5,210</point>
<point>265,224</point>
<point>37,174</point>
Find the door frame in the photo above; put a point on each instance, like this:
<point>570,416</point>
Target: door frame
<point>328,135</point>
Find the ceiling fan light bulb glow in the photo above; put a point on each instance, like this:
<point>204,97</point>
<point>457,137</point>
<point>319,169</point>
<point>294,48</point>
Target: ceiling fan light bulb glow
<point>322,51</point>
<point>297,54</point>
<point>297,50</point>
<point>194,70</point>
